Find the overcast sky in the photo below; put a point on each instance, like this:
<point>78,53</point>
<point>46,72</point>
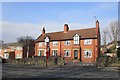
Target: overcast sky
<point>28,18</point>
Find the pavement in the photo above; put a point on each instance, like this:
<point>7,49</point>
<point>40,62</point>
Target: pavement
<point>66,71</point>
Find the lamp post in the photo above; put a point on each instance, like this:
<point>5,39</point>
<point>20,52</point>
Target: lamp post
<point>47,49</point>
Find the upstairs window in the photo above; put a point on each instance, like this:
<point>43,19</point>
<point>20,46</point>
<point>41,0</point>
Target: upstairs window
<point>87,53</point>
<point>87,41</point>
<point>47,40</point>
<point>76,39</point>
<point>66,43</point>
<point>40,43</point>
<point>18,48</point>
<point>55,43</point>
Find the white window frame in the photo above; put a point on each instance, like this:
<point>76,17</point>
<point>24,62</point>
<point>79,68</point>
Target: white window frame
<point>76,39</point>
<point>40,44</point>
<point>87,41</point>
<point>87,53</point>
<point>53,52</point>
<point>46,40</point>
<point>18,56</point>
<point>6,55</point>
<point>18,48</point>
<point>55,43</point>
<point>67,43</point>
<point>5,50</point>
<point>67,52</point>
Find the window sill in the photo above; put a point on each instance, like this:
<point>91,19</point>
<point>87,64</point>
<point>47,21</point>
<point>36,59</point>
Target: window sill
<point>87,44</point>
<point>66,56</point>
<point>87,57</point>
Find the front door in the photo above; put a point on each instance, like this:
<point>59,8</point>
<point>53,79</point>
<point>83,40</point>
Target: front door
<point>75,54</point>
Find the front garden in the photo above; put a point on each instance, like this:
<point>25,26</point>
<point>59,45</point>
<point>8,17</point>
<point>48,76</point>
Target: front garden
<point>41,61</point>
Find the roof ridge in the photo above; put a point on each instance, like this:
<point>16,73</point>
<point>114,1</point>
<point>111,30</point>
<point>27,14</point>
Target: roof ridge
<point>70,30</point>
<point>69,34</point>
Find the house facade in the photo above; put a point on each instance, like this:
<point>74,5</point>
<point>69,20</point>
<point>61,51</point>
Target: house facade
<point>76,45</point>
<point>16,50</point>
<point>11,51</point>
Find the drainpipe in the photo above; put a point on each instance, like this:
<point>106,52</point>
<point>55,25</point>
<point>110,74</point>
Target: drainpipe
<point>60,48</point>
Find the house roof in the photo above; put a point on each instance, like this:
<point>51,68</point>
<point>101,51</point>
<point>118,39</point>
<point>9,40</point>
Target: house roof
<point>15,44</point>
<point>83,33</point>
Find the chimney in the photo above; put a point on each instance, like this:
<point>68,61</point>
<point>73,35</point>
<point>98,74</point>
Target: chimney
<point>97,27</point>
<point>66,28</point>
<point>43,31</point>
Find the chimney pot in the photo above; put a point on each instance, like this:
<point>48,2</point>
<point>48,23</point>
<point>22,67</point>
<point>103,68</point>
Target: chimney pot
<point>66,28</point>
<point>43,31</point>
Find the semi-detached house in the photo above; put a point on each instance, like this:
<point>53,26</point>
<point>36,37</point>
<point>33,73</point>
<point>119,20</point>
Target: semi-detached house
<point>81,45</point>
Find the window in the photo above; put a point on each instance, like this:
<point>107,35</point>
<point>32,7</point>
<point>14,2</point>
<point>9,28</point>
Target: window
<point>54,52</point>
<point>40,43</point>
<point>87,53</point>
<point>6,55</point>
<point>76,39</point>
<point>17,56</point>
<point>40,53</point>
<point>19,48</point>
<point>55,43</point>
<point>87,42</point>
<point>66,53</point>
<point>67,43</point>
<point>5,50</point>
<point>46,40</point>
<point>12,48</point>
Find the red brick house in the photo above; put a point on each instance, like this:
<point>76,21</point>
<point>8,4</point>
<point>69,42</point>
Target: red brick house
<point>16,50</point>
<point>82,44</point>
<point>11,50</point>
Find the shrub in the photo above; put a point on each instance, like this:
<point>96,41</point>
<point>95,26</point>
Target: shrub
<point>37,61</point>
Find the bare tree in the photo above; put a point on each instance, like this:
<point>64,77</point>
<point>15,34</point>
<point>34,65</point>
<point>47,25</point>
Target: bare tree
<point>25,41</point>
<point>119,31</point>
<point>114,32</point>
<point>104,37</point>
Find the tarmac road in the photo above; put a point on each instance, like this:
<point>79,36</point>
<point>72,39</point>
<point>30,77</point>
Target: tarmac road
<point>67,71</point>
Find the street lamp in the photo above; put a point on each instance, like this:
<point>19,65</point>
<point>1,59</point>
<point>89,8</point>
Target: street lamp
<point>47,48</point>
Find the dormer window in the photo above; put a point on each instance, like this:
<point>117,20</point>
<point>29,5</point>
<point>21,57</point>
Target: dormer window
<point>76,39</point>
<point>47,40</point>
<point>40,43</point>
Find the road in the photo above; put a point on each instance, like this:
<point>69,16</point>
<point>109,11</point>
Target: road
<point>67,71</point>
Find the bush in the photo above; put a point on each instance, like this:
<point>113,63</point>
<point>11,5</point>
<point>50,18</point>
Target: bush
<point>104,61</point>
<point>37,61</point>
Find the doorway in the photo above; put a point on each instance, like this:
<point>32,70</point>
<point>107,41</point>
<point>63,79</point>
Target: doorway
<point>75,54</point>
